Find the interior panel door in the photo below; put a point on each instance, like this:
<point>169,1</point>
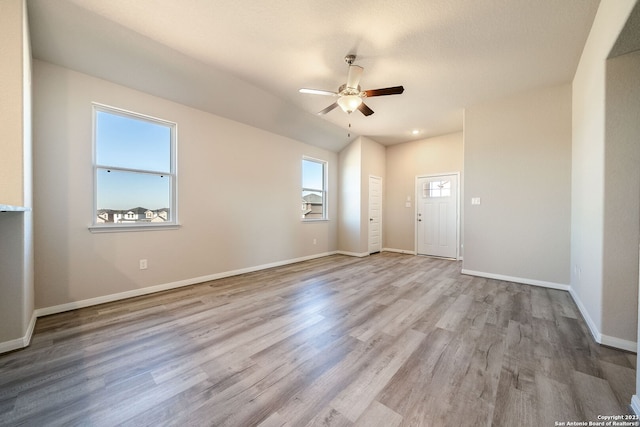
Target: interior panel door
<point>375,214</point>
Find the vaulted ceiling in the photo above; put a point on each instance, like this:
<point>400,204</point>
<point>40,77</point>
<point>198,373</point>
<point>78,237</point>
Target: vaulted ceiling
<point>246,59</point>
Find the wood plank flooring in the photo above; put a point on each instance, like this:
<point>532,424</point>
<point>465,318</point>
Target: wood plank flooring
<point>388,340</point>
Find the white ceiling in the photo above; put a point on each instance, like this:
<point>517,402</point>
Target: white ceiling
<point>246,59</point>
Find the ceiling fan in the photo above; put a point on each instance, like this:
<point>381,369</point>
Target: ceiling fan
<point>349,94</point>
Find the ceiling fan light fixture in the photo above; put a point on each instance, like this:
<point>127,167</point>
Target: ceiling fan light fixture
<point>349,103</point>
<point>350,95</point>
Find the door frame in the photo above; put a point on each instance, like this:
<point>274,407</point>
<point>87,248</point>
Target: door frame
<point>379,178</point>
<point>415,209</point>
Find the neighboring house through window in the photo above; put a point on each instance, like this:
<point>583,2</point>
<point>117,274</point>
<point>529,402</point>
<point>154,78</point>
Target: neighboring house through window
<point>314,193</point>
<point>134,170</point>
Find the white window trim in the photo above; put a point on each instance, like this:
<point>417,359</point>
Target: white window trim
<point>325,198</point>
<point>173,196</point>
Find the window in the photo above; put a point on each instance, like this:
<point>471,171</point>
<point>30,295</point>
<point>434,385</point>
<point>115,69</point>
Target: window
<point>436,189</point>
<point>134,170</point>
<point>314,193</point>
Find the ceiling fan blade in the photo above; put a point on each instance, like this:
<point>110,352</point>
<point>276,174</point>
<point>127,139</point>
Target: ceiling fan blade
<point>329,108</point>
<point>395,90</point>
<point>364,109</point>
<point>318,92</point>
<point>353,79</point>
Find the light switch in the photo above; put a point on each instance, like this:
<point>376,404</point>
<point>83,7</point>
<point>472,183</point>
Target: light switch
<point>475,200</point>
<point>407,205</point>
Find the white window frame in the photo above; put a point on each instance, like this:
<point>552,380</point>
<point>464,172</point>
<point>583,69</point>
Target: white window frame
<point>173,174</point>
<point>325,199</point>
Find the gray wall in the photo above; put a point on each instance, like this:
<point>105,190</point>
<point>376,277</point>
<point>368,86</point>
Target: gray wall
<point>621,198</point>
<point>517,160</point>
<point>589,180</point>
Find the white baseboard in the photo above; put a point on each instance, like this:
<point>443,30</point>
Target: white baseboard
<point>524,281</point>
<point>356,254</point>
<point>12,345</point>
<point>30,328</point>
<point>167,286</point>
<point>45,311</point>
<point>595,333</point>
<point>614,342</point>
<point>408,252</point>
<point>635,404</point>
<point>21,342</point>
<point>598,336</point>
<point>26,339</point>
<point>399,251</point>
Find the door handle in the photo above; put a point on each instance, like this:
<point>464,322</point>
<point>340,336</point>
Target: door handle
<point>370,219</point>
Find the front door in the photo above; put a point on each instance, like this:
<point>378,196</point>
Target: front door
<point>437,215</point>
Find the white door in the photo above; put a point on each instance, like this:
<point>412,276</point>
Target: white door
<point>437,215</point>
<point>375,214</point>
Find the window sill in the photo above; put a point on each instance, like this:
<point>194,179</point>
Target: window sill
<point>11,208</point>
<point>129,228</point>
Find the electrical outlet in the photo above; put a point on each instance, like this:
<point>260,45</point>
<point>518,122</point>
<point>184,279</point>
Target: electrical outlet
<point>315,241</point>
<point>143,264</point>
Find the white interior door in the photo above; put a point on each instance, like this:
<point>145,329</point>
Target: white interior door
<point>437,216</point>
<point>375,214</point>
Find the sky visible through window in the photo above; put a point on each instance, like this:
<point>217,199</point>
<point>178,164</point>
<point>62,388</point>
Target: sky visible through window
<point>134,145</point>
<point>312,175</point>
<point>313,191</point>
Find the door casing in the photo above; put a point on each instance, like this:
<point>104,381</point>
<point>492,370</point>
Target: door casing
<point>374,243</point>
<point>457,202</point>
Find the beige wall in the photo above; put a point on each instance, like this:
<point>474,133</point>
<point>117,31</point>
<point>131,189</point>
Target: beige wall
<point>588,168</point>
<point>405,161</point>
<point>373,164</point>
<point>16,227</point>
<point>517,160</point>
<point>238,196</point>
<point>11,102</point>
<point>360,159</point>
<point>621,198</point>
<point>350,218</point>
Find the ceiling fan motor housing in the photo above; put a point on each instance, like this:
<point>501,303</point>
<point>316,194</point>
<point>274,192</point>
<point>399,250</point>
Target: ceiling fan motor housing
<point>343,90</point>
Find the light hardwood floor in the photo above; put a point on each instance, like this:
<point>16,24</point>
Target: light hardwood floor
<point>387,340</point>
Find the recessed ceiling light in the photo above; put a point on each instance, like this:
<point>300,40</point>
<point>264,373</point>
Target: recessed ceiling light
<point>415,131</point>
